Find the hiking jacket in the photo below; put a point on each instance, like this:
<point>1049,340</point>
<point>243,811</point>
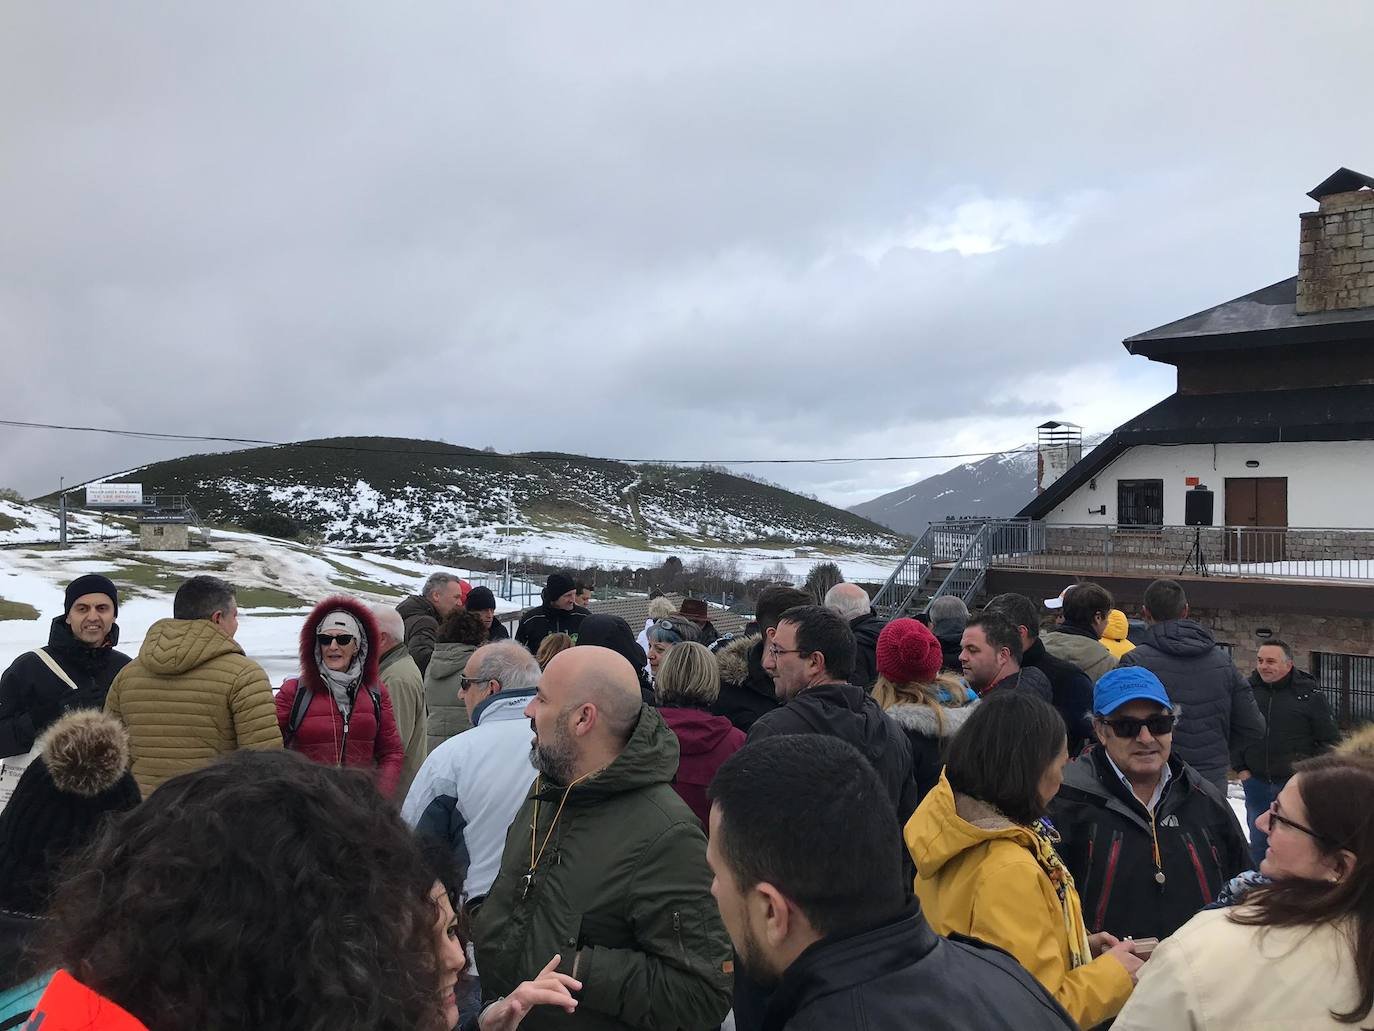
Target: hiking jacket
<point>190,697</point>
<point>447,713</point>
<point>903,975</point>
<point>850,714</point>
<point>1081,647</point>
<point>866,630</point>
<point>704,742</point>
<point>1107,840</point>
<point>1217,975</point>
<point>68,1005</point>
<point>746,689</point>
<point>621,891</point>
<point>979,874</point>
<point>538,623</point>
<point>421,621</point>
<point>325,735</point>
<point>406,685</point>
<point>1298,725</point>
<point>470,787</point>
<point>1220,717</point>
<point>1114,635</point>
<point>33,697</point>
<point>928,733</point>
<point>1071,692</point>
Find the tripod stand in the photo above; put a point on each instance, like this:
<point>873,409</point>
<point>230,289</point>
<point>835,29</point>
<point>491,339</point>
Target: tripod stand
<point>1196,559</point>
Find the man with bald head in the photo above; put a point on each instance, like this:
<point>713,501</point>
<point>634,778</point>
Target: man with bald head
<point>604,865</point>
<point>856,608</point>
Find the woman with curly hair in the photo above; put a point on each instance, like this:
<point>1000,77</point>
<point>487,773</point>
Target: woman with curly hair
<point>265,892</point>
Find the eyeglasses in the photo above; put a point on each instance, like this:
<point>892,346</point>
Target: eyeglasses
<point>325,640</point>
<point>1129,726</point>
<point>775,651</point>
<point>465,682</point>
<point>1277,817</point>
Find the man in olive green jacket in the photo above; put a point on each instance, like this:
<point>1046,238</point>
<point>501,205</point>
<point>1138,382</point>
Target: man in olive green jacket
<point>616,881</point>
<point>192,695</point>
<point>406,685</point>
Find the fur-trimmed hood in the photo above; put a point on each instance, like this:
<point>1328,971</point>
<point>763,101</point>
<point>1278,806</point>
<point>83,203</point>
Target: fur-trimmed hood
<point>310,672</point>
<point>1359,742</point>
<point>922,719</point>
<point>733,659</point>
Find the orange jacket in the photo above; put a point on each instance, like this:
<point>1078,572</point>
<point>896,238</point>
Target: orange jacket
<point>68,1005</point>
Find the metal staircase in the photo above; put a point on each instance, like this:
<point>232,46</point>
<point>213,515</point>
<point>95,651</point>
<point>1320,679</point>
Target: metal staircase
<point>968,546</point>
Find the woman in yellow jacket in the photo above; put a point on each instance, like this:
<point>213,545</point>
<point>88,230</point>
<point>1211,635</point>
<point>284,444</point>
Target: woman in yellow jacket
<point>986,865</point>
<point>1114,634</point>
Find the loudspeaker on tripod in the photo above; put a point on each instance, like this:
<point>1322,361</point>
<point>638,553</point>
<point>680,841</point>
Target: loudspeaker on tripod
<point>1197,506</point>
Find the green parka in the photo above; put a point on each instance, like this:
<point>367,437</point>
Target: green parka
<point>622,892</point>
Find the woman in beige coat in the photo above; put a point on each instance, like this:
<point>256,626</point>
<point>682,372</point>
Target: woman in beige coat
<point>1297,951</point>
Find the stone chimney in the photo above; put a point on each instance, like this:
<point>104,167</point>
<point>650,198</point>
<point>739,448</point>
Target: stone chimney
<point>1336,246</point>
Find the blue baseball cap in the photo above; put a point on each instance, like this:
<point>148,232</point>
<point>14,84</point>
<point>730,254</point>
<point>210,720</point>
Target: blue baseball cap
<point>1127,684</point>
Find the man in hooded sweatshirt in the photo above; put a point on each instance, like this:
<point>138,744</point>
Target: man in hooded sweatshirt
<point>192,695</point>
<point>557,615</point>
<point>1220,716</point>
<point>74,671</point>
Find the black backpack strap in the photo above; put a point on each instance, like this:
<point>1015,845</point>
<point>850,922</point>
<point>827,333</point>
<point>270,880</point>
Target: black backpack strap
<point>299,705</point>
<point>376,706</point>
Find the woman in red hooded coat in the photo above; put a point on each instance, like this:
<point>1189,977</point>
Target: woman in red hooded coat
<point>344,717</point>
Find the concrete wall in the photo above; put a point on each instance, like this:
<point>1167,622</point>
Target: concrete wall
<point>164,536</point>
<point>1330,484</point>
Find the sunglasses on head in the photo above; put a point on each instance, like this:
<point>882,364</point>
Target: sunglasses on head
<point>325,640</point>
<point>1129,726</point>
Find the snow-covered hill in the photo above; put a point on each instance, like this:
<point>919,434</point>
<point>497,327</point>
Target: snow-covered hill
<point>999,485</point>
<point>389,491</point>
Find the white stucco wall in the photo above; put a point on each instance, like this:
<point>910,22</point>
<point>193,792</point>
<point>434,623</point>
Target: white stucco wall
<point>1330,484</point>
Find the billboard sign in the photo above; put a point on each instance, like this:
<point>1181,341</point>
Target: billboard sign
<point>106,495</point>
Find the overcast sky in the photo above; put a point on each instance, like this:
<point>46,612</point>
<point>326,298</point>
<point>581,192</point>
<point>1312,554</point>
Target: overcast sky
<point>701,231</point>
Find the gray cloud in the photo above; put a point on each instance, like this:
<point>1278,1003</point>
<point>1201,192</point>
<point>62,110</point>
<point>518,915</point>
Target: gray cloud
<point>620,229</point>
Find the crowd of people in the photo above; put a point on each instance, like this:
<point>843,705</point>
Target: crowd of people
<point>1015,818</point>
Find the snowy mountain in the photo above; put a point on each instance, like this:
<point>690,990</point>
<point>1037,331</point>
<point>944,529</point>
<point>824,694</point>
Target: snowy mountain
<point>999,485</point>
<point>382,490</point>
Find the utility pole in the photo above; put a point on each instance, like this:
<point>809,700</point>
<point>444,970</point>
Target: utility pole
<point>61,512</point>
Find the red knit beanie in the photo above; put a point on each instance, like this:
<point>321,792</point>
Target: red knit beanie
<point>908,653</point>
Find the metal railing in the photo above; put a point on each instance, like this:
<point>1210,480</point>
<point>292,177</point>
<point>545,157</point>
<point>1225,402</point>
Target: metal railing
<point>943,542</point>
<point>1348,683</point>
<point>1304,553</point>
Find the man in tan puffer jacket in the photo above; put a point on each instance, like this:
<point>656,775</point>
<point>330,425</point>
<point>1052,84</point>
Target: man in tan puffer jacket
<point>192,695</point>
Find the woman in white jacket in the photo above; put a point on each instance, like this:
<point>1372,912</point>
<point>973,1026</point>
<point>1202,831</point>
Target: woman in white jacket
<point>1297,952</point>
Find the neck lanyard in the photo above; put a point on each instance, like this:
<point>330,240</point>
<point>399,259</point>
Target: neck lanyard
<point>527,882</point>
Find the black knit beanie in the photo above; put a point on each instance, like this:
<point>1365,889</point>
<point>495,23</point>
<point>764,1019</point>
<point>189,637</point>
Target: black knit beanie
<point>557,585</point>
<point>480,599</point>
<point>91,583</point>
<point>80,776</point>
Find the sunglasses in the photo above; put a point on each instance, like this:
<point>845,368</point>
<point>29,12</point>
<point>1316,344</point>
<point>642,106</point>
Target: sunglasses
<point>466,682</point>
<point>1129,726</point>
<point>325,640</point>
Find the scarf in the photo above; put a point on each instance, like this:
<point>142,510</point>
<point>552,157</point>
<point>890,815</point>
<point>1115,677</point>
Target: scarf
<point>1080,953</point>
<point>343,684</point>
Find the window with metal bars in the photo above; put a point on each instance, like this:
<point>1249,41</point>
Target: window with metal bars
<point>1140,502</point>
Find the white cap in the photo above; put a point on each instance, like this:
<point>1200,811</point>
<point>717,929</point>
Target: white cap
<point>340,622</point>
<point>1058,603</point>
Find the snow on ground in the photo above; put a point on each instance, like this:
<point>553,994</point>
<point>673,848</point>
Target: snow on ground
<point>37,576</point>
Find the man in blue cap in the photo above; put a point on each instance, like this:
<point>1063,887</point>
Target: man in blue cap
<point>1148,840</point>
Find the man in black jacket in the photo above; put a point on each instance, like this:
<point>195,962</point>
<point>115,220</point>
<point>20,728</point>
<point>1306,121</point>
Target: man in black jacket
<point>1149,842</point>
<point>854,605</point>
<point>81,643</point>
<point>422,613</point>
<point>830,930</point>
<point>1071,689</point>
<point>557,615</point>
<point>1222,716</point>
<point>746,689</point>
<point>948,617</point>
<point>1298,725</point>
<point>809,658</point>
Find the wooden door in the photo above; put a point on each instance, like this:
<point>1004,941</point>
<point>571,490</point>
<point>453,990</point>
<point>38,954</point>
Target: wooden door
<point>1256,515</point>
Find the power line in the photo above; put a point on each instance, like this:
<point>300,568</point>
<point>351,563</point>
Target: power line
<point>321,446</point>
